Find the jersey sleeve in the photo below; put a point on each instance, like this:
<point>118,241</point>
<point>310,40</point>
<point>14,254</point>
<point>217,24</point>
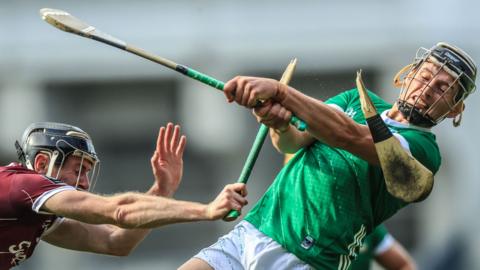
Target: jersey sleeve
<point>30,191</point>
<point>424,148</point>
<point>384,245</point>
<point>342,100</point>
<point>377,235</point>
<point>58,221</point>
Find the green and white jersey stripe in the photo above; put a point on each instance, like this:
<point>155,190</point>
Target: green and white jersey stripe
<point>353,248</point>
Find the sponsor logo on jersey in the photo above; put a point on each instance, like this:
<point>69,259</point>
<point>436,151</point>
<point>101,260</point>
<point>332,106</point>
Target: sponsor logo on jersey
<point>350,112</point>
<point>307,242</point>
<point>18,252</point>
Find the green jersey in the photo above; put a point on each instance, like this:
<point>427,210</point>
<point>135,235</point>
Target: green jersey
<point>326,200</point>
<point>368,248</point>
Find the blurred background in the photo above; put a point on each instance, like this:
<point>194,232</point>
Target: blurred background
<point>122,100</point>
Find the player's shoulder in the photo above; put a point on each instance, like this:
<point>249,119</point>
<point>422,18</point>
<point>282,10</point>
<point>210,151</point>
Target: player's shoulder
<point>21,175</point>
<point>35,178</point>
<point>12,170</point>
<point>352,95</point>
<point>13,167</point>
<point>424,137</point>
<point>424,147</point>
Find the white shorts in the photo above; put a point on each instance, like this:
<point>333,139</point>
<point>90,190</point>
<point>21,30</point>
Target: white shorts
<point>245,247</point>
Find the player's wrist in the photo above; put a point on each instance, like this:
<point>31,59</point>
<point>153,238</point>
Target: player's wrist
<point>155,190</point>
<point>282,92</point>
<point>207,213</point>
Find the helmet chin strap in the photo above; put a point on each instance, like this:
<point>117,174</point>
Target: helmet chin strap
<point>414,116</point>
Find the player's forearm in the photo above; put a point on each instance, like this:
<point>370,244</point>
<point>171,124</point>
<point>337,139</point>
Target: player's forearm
<point>124,241</point>
<point>323,122</point>
<point>396,258</point>
<point>128,210</point>
<point>290,140</point>
<point>329,126</point>
<point>101,239</point>
<point>137,211</point>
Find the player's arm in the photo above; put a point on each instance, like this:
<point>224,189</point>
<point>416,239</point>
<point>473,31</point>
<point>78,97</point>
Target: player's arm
<point>329,126</point>
<point>102,239</point>
<point>324,122</point>
<point>285,138</point>
<point>396,258</point>
<point>129,212</point>
<point>289,140</point>
<point>135,210</point>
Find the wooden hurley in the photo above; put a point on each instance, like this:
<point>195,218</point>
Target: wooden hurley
<point>405,177</point>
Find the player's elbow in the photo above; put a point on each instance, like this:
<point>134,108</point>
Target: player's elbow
<point>124,214</point>
<point>121,217</point>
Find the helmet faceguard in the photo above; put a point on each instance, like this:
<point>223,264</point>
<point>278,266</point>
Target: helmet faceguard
<point>456,63</point>
<point>58,141</point>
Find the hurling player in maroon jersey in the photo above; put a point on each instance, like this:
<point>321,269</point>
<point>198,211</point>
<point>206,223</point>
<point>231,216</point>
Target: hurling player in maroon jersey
<point>45,196</point>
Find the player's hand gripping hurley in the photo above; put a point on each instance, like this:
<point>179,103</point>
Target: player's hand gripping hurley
<point>257,144</point>
<point>405,177</point>
<point>68,23</point>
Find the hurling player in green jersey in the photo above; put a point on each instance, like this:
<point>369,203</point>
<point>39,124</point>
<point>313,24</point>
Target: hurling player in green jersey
<point>332,193</point>
<point>379,246</point>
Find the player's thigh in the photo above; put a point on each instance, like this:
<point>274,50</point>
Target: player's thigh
<point>195,263</point>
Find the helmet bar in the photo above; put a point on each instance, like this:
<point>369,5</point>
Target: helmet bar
<point>53,160</point>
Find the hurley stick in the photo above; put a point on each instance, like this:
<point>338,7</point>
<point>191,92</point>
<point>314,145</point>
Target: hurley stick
<point>405,177</point>
<point>258,143</point>
<point>68,23</point>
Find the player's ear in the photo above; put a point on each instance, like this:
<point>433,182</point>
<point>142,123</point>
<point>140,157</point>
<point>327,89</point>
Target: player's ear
<point>41,163</point>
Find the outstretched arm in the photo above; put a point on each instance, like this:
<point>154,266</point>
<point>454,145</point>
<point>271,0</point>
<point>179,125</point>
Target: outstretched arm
<point>127,215</point>
<point>167,167</point>
<point>132,210</point>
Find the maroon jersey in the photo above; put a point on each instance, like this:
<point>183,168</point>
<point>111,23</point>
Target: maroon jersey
<point>22,194</point>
